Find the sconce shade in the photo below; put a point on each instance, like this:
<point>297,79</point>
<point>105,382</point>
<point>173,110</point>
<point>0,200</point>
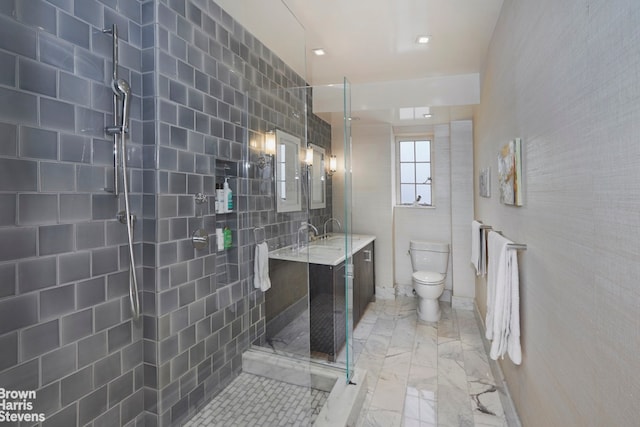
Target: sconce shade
<point>333,164</point>
<point>309,156</point>
<point>270,143</point>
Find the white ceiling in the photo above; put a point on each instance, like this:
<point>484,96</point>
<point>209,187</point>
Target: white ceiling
<point>375,40</point>
<point>372,43</point>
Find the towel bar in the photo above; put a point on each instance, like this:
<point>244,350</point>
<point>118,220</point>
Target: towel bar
<point>259,235</point>
<point>517,246</point>
<point>514,246</point>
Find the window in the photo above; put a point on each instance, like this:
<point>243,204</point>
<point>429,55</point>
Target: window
<point>414,171</point>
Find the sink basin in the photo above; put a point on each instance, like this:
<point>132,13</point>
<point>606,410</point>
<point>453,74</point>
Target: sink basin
<point>335,241</point>
<point>318,249</point>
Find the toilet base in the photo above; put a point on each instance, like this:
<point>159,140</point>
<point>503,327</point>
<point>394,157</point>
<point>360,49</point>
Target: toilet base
<point>429,309</point>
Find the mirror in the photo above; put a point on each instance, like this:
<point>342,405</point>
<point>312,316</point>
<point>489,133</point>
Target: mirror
<point>287,172</point>
<point>318,178</point>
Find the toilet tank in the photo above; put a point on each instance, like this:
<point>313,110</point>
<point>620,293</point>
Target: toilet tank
<point>429,256</point>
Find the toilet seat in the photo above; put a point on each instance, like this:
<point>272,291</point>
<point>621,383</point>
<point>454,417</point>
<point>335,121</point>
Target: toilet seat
<point>429,278</point>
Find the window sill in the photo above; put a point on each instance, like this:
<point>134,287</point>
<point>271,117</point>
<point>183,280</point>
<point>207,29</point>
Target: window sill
<point>415,207</point>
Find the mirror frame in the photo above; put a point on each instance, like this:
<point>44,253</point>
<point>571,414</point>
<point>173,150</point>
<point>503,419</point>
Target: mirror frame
<point>318,178</point>
<point>288,188</point>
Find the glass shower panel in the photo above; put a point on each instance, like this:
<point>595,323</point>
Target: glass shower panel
<point>348,230</point>
<point>307,311</point>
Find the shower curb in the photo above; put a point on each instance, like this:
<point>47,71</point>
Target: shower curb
<point>345,400</point>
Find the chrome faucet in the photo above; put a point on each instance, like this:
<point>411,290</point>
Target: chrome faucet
<point>327,222</point>
<point>305,227</point>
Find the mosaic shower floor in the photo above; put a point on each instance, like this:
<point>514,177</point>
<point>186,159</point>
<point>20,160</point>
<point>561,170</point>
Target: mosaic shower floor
<point>252,400</point>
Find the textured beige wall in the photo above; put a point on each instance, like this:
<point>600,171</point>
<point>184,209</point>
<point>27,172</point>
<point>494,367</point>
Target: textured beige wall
<point>565,77</point>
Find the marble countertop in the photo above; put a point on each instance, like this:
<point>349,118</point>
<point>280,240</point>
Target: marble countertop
<point>329,250</point>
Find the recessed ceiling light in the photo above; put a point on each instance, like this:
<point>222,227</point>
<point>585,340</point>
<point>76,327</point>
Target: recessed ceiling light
<point>427,116</point>
<point>423,39</point>
<point>319,51</point>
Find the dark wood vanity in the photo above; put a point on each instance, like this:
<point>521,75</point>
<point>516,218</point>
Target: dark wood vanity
<point>324,299</point>
<point>327,283</point>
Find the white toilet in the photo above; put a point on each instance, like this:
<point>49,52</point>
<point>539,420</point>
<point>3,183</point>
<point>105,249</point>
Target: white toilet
<point>429,261</point>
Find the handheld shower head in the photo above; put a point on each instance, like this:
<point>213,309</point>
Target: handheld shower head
<point>122,89</point>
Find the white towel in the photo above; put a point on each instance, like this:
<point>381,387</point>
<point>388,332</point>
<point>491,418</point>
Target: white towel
<point>483,253</point>
<point>503,300</point>
<point>475,246</point>
<point>261,267</point>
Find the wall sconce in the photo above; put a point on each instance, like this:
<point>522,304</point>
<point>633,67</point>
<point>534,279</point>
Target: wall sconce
<point>270,143</point>
<point>309,157</point>
<point>269,149</point>
<point>333,165</point>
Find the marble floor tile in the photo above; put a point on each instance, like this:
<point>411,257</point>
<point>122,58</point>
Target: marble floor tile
<point>364,329</point>
<point>384,326</point>
<point>423,378</point>
<point>382,418</point>
<point>432,374</point>
<point>376,345</point>
<point>419,374</point>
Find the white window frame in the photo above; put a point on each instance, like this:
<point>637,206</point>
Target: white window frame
<point>417,137</point>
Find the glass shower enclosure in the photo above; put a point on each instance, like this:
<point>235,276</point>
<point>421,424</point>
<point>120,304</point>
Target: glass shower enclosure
<point>301,210</point>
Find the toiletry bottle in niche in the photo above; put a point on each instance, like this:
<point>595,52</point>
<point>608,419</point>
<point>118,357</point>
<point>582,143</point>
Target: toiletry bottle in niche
<point>228,196</point>
<point>227,238</point>
<point>221,202</point>
<point>219,239</point>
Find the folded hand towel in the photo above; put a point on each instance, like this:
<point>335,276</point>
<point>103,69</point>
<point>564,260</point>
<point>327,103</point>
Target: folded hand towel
<point>261,267</point>
<point>496,246</point>
<point>503,300</point>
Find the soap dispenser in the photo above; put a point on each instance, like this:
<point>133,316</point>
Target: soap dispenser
<point>228,196</point>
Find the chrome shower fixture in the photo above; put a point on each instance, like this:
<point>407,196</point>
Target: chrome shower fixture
<point>121,106</point>
<point>125,92</point>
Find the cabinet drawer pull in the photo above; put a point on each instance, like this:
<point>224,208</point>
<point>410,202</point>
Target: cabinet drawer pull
<point>367,255</point>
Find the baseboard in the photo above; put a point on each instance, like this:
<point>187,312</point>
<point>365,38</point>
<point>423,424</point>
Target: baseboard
<point>463,303</point>
<point>385,292</point>
<point>403,290</point>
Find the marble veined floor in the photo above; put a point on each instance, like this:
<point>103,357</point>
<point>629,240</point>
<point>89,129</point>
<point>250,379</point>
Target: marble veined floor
<point>426,374</point>
<point>419,374</point>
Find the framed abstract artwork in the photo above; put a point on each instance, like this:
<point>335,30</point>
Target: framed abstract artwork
<point>510,173</point>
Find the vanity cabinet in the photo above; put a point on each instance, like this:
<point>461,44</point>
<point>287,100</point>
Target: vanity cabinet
<point>328,315</point>
<point>363,281</point>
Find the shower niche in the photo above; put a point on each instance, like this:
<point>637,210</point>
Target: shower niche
<point>226,221</point>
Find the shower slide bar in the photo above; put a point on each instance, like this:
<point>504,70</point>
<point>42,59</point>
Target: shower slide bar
<point>115,130</point>
<point>121,109</point>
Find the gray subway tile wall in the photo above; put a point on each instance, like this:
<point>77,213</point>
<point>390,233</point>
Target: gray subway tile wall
<point>61,299</point>
<point>197,78</point>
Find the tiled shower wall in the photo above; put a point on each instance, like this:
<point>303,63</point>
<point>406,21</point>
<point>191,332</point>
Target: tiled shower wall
<point>65,324</point>
<point>217,90</point>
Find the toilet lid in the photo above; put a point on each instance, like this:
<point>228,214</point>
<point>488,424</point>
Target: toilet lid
<point>428,277</point>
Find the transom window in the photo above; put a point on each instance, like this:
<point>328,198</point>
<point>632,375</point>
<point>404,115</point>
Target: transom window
<point>414,171</point>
